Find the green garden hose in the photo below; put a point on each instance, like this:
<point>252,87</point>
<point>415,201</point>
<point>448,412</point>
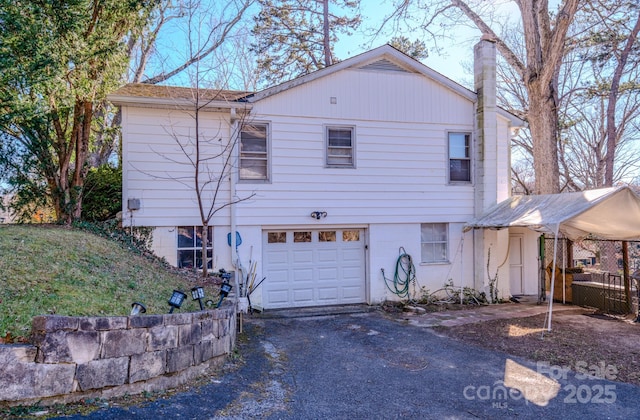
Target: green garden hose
<point>405,274</point>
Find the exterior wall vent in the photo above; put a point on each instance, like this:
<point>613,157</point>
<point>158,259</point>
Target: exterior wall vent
<point>384,65</point>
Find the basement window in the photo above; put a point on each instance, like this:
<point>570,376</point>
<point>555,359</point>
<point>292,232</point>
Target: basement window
<point>190,247</point>
<point>434,240</point>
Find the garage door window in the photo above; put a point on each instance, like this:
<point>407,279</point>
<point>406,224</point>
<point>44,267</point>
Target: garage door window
<point>277,237</point>
<point>350,235</point>
<point>327,236</point>
<point>301,236</point>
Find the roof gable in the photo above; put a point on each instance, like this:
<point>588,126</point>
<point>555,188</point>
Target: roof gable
<point>384,58</point>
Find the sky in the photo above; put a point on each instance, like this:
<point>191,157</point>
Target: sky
<point>450,61</point>
<point>454,57</point>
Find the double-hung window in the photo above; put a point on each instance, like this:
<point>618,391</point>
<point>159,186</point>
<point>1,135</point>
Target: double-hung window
<point>340,147</point>
<point>459,157</point>
<point>190,247</point>
<point>254,152</point>
<point>434,239</point>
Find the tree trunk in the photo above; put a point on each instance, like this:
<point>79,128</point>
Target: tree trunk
<point>205,241</point>
<point>612,132</point>
<point>328,59</point>
<point>543,124</point>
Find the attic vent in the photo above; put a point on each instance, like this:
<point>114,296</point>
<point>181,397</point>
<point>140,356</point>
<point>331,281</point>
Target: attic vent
<point>383,65</point>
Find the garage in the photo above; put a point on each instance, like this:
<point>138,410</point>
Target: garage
<point>307,267</point>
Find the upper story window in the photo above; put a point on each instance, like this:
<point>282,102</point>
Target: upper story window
<point>434,239</point>
<point>254,152</point>
<point>340,147</point>
<point>459,157</point>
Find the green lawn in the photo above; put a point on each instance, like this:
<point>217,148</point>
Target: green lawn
<point>56,270</point>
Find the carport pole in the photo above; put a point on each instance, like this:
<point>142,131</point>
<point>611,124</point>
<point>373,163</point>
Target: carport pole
<point>553,274</point>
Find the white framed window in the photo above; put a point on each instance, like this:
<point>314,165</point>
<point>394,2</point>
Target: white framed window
<point>434,242</point>
<point>340,146</point>
<point>459,157</point>
<point>190,247</point>
<point>254,152</point>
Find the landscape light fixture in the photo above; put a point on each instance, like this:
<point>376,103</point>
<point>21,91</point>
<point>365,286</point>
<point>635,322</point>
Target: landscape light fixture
<point>197,293</point>
<point>225,288</point>
<point>176,299</point>
<point>137,308</point>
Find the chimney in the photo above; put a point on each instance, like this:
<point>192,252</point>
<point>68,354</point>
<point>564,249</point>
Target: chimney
<point>486,148</point>
<point>486,162</point>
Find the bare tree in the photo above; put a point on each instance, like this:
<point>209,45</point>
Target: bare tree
<point>206,156</point>
<point>202,27</point>
<point>545,38</point>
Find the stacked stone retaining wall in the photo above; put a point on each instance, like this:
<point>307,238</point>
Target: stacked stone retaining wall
<point>102,357</point>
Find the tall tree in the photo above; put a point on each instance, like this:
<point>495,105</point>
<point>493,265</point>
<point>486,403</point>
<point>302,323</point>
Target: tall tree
<point>588,116</point>
<point>57,59</point>
<point>545,37</point>
<point>296,37</point>
<point>615,38</point>
<point>178,35</point>
<point>416,49</point>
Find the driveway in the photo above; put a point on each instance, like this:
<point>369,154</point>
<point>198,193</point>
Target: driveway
<point>366,365</point>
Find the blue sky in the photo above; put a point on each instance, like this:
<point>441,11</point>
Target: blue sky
<point>450,61</point>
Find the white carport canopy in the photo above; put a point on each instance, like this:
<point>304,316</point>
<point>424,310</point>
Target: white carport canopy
<point>607,213</point>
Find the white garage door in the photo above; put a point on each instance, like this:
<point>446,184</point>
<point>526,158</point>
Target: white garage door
<point>313,267</point>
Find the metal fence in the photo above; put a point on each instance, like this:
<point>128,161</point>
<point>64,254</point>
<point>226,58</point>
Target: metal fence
<point>596,273</point>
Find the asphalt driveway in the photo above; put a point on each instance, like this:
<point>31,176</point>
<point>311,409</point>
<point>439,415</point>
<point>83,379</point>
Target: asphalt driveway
<point>367,366</point>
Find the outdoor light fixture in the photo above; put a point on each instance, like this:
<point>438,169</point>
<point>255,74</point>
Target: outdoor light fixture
<point>197,293</point>
<point>318,214</point>
<point>225,288</point>
<point>137,308</point>
<point>176,299</point>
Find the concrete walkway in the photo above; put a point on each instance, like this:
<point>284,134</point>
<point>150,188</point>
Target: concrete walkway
<point>527,307</point>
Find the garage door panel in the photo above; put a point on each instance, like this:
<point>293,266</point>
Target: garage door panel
<point>350,273</point>
<point>278,257</point>
<point>352,254</point>
<point>278,276</point>
<point>327,274</point>
<point>324,269</point>
<point>278,297</point>
<point>302,274</point>
<point>352,292</point>
<point>302,257</point>
<point>303,295</point>
<point>327,255</point>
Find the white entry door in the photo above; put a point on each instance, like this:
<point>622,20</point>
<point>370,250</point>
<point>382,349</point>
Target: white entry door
<point>307,267</point>
<point>516,264</point>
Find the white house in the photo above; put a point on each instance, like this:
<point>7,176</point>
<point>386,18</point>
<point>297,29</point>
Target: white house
<point>344,169</point>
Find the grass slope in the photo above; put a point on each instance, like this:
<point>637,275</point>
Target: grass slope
<point>56,270</point>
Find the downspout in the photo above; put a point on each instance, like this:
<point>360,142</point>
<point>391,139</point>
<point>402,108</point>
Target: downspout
<point>232,188</point>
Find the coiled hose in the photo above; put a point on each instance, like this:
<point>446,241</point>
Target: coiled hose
<point>405,274</point>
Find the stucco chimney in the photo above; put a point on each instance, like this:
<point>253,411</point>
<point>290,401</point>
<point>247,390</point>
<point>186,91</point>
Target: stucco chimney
<point>485,158</point>
<point>486,178</point>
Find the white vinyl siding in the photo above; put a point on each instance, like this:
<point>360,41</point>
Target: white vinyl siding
<point>254,152</point>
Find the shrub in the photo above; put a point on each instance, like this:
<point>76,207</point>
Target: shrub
<point>102,194</point>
